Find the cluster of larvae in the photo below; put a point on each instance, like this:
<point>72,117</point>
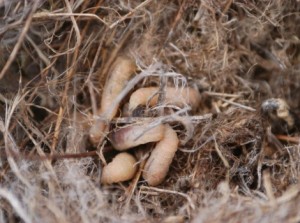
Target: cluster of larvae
<point>124,165</point>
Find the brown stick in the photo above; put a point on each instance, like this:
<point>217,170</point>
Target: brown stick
<point>165,119</point>
<point>14,52</point>
<point>54,156</point>
<point>288,138</point>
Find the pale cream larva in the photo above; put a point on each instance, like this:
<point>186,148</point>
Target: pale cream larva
<point>122,168</point>
<point>134,135</point>
<point>174,96</point>
<point>157,166</point>
<point>121,71</point>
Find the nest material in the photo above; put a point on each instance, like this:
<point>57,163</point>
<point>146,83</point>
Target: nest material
<point>53,67</point>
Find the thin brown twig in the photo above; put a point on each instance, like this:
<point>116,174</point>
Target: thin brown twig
<point>132,187</point>
<point>175,22</point>
<point>41,55</point>
<point>60,15</point>
<point>196,119</point>
<point>227,6</point>
<point>239,105</point>
<point>54,156</point>
<point>70,74</point>
<point>288,138</point>
<point>191,203</point>
<point>219,94</point>
<point>17,46</point>
<point>129,13</point>
<point>107,65</point>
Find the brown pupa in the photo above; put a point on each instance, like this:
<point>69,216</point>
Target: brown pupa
<point>134,135</point>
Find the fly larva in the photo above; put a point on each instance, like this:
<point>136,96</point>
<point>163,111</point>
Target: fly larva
<point>122,70</point>
<point>122,168</point>
<point>173,96</point>
<point>135,135</point>
<point>157,166</point>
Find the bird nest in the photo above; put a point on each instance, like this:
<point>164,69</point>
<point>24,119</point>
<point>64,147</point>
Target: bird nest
<point>237,156</point>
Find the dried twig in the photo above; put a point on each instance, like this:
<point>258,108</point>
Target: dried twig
<point>144,189</point>
<point>165,119</point>
<point>17,46</point>
<point>129,13</point>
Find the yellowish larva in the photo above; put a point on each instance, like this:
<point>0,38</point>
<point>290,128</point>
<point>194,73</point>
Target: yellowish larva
<point>157,165</point>
<point>174,96</point>
<point>135,135</point>
<point>122,168</point>
<point>122,70</point>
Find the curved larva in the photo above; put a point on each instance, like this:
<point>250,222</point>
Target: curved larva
<point>122,168</point>
<point>157,166</point>
<point>122,70</point>
<point>135,135</point>
<point>174,96</point>
<point>98,131</point>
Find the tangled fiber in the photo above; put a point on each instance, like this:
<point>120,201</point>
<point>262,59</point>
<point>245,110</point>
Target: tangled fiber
<point>231,165</point>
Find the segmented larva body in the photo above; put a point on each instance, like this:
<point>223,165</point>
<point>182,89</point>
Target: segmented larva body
<point>122,168</point>
<point>122,70</point>
<point>135,135</point>
<point>157,165</point>
<point>174,96</point>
